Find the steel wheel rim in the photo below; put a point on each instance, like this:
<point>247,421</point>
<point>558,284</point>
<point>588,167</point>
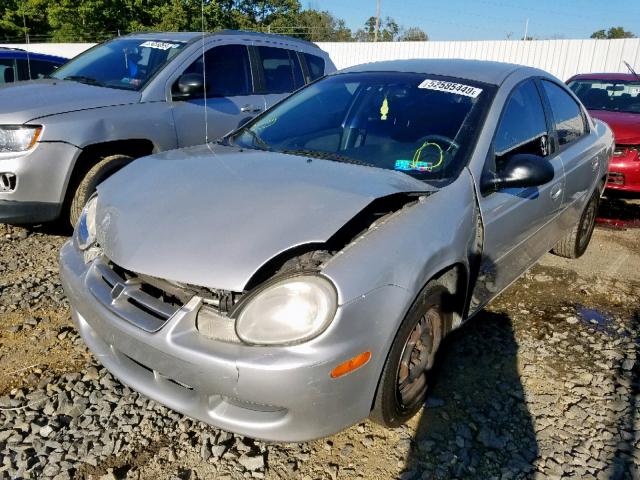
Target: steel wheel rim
<point>415,359</point>
<point>588,223</point>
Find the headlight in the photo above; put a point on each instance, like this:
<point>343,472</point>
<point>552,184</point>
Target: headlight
<point>16,138</point>
<point>86,228</point>
<point>290,311</point>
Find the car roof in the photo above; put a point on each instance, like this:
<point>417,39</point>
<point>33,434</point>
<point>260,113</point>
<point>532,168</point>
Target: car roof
<point>479,70</point>
<point>192,36</point>
<point>7,52</point>
<point>605,76</point>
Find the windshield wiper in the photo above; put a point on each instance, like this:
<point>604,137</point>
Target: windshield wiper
<point>256,138</point>
<point>84,79</point>
<point>326,156</point>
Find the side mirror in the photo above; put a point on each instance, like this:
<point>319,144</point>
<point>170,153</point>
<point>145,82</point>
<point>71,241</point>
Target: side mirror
<point>521,170</point>
<point>190,85</point>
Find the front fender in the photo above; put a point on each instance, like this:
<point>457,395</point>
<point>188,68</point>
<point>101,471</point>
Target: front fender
<point>150,121</point>
<point>412,246</point>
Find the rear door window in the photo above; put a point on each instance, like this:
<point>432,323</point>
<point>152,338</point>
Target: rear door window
<point>316,66</point>
<point>281,69</point>
<point>567,114</point>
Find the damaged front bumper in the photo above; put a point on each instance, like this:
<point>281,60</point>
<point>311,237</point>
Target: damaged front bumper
<point>273,393</point>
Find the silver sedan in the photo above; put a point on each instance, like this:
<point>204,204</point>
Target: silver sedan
<point>299,275</point>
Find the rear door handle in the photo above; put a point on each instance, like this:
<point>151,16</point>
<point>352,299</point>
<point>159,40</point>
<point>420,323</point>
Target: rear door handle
<point>250,109</point>
<point>595,162</point>
<point>556,191</point>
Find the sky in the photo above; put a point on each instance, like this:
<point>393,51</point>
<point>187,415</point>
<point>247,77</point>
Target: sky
<point>493,19</point>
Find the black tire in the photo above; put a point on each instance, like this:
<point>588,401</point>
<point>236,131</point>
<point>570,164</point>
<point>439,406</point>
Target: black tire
<point>397,400</point>
<point>86,185</point>
<point>575,243</point>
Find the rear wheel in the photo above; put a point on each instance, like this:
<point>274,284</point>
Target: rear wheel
<point>405,378</point>
<point>575,243</point>
<point>86,185</point>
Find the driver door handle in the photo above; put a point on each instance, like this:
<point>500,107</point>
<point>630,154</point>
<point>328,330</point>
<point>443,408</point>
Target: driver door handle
<point>556,191</point>
<point>250,109</point>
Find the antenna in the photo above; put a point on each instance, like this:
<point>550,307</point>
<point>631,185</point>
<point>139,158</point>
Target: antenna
<point>631,70</point>
<point>26,37</point>
<point>204,77</point>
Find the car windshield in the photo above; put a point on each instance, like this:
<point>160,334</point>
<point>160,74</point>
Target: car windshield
<point>614,95</point>
<point>125,63</point>
<point>419,124</point>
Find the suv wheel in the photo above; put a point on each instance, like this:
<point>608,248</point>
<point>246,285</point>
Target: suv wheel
<point>88,183</point>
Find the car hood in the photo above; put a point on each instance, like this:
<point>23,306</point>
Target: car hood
<point>214,217</point>
<point>22,102</point>
<point>625,126</point>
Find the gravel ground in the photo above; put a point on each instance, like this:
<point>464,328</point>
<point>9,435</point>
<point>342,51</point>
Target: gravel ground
<point>543,384</point>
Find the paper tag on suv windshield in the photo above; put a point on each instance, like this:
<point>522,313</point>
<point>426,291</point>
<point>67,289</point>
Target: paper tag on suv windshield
<point>458,88</point>
<point>160,45</point>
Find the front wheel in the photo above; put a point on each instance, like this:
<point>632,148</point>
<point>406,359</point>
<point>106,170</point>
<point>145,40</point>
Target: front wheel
<point>405,378</point>
<point>87,184</point>
<point>575,243</point>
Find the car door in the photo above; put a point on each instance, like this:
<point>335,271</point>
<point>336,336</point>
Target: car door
<point>230,96</point>
<point>280,72</point>
<point>518,223</point>
<point>576,148</point>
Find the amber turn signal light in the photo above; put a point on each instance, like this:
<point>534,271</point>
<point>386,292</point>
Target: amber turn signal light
<point>351,365</point>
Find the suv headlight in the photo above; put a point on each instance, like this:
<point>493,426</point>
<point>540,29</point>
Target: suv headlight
<point>18,138</point>
<point>86,228</point>
<point>292,310</point>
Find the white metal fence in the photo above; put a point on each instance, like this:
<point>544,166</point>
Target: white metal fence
<point>562,58</point>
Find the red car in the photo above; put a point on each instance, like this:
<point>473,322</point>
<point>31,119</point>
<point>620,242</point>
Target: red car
<point>614,98</point>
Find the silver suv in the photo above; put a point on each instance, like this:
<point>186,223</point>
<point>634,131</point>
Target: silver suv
<point>130,97</point>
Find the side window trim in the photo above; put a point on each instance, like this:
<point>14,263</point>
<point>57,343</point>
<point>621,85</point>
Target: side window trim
<point>552,134</point>
<point>256,72</point>
<point>562,148</point>
<point>305,68</point>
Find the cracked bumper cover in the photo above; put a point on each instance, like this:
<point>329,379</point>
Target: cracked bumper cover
<point>272,393</point>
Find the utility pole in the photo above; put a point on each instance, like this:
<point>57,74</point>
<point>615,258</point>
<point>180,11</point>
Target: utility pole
<point>375,38</point>
<point>526,28</point>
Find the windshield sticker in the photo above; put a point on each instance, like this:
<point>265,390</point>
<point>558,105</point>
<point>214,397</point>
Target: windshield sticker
<point>384,109</point>
<point>457,88</point>
<point>410,165</point>
<point>160,45</point>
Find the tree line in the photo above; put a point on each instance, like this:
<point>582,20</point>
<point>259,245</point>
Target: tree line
<point>96,20</point>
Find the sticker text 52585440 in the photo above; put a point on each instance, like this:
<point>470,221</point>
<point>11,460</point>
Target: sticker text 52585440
<point>451,87</point>
<point>159,45</point>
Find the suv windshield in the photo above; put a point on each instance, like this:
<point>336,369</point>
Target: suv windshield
<point>615,95</point>
<point>126,63</point>
<point>418,124</point>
